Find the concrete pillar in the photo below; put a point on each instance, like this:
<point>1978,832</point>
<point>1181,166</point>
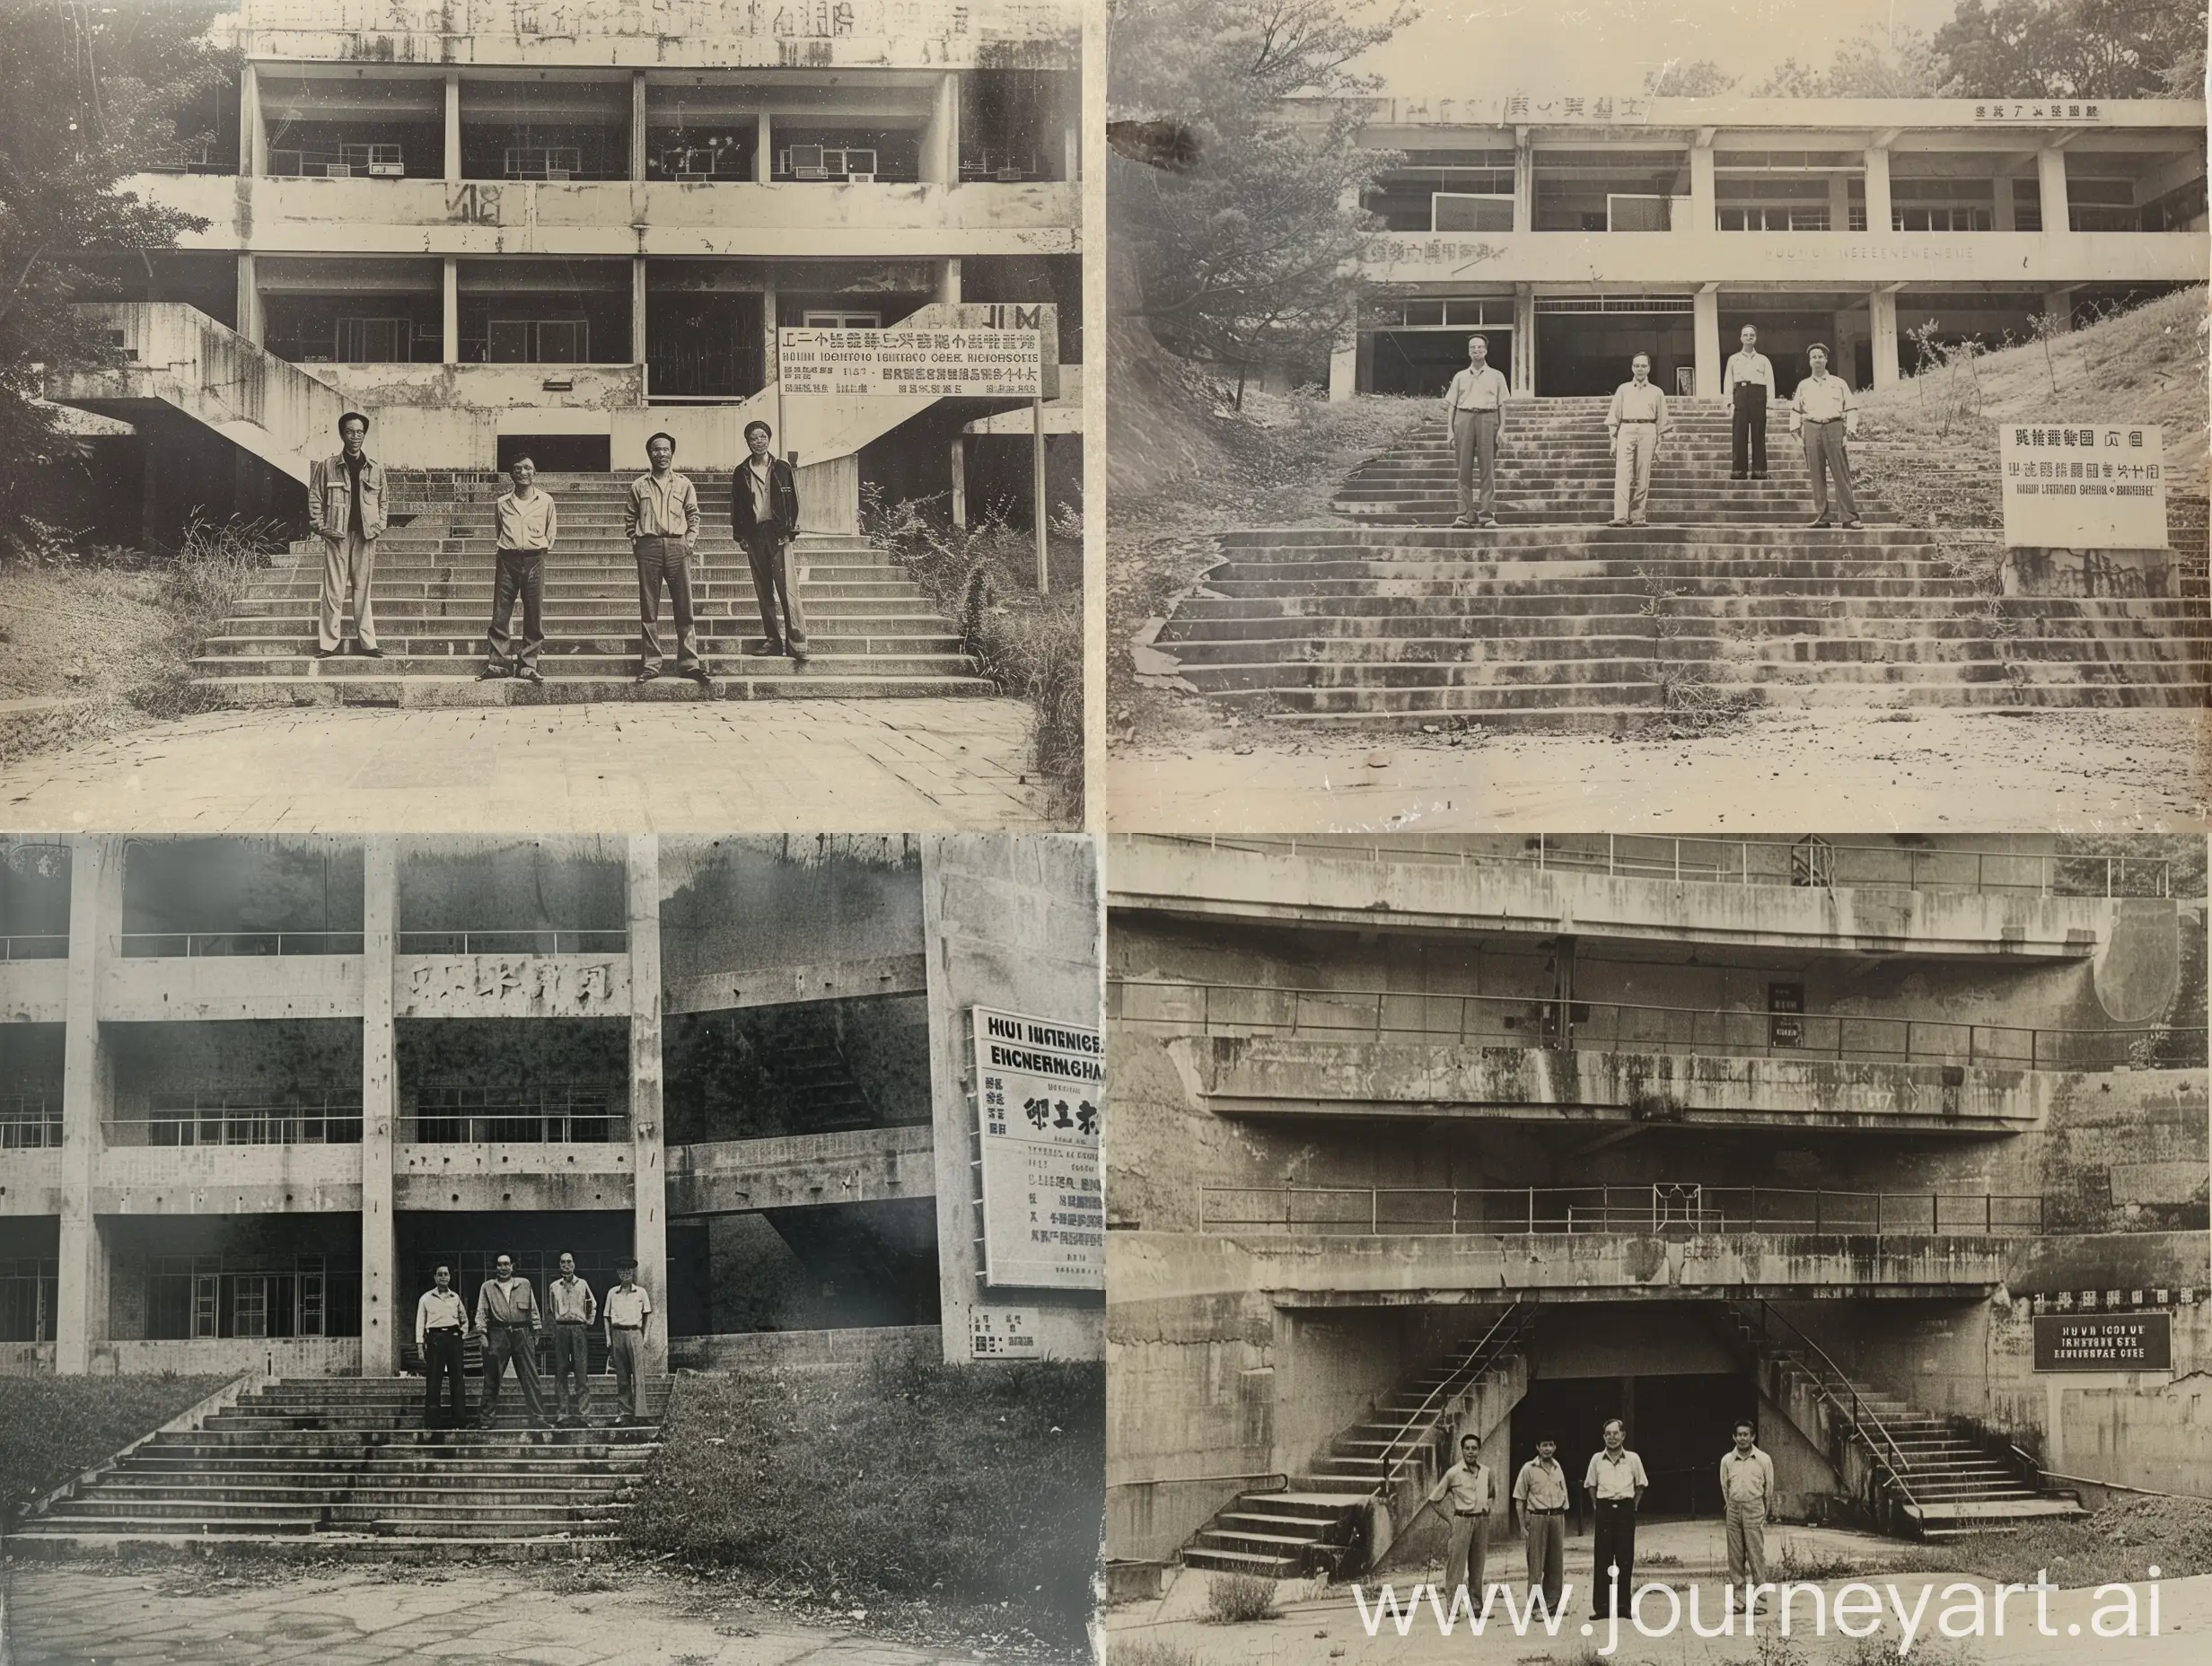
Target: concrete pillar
<point>1344,370</point>
<point>948,281</point>
<point>1706,320</point>
<point>252,137</point>
<point>2059,302</point>
<point>386,1311</point>
<point>637,309</point>
<point>2001,217</point>
<point>941,143</point>
<point>763,149</point>
<point>1838,202</point>
<point>452,127</point>
<point>770,370</point>
<point>637,126</point>
<point>449,311</point>
<point>252,323</point>
<point>1704,214</point>
<point>1877,191</point>
<point>960,480</point>
<point>2051,177</point>
<point>649,1227</point>
<point>1883,332</point>
<point>95,921</point>
<point>1523,182</point>
<point>1524,339</point>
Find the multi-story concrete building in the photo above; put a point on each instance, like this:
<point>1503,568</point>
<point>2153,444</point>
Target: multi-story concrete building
<point>1513,1134</point>
<point>253,1090</point>
<point>1576,231</point>
<point>499,226</point>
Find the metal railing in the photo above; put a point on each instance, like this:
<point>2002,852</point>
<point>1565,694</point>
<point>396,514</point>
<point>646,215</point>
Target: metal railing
<point>1660,1208</point>
<point>197,944</point>
<point>1414,1431</point>
<point>1840,1391</point>
<point>548,941</point>
<point>333,1119</point>
<point>31,1122</point>
<point>35,946</point>
<point>1605,1026</point>
<point>1816,863</point>
<point>555,1117</point>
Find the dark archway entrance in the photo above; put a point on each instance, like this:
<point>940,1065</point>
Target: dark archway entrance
<point>1678,1425</point>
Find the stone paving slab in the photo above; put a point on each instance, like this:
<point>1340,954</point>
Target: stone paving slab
<point>801,766</point>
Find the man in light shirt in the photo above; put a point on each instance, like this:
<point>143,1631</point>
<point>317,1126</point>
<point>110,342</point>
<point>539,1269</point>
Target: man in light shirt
<point>440,1324</point>
<point>1474,416</point>
<point>1615,1482</point>
<point>573,1308</point>
<point>1540,1495</point>
<point>1467,1484</point>
<point>628,1313</point>
<point>506,1312</point>
<point>527,523</point>
<point>661,518</point>
<point>1635,424</point>
<point>1747,1495</point>
<point>1749,385</point>
<point>1822,411</point>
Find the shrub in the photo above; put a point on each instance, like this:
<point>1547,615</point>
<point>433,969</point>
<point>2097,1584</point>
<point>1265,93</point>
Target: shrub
<point>1238,1599</point>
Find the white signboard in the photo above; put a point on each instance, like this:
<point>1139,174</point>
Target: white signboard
<point>2088,486</point>
<point>1002,1333</point>
<point>928,364</point>
<point>1040,1097</point>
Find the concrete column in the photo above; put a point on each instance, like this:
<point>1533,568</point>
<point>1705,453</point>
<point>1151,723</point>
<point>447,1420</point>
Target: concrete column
<point>1344,371</point>
<point>2001,204</point>
<point>637,127</point>
<point>1705,322</point>
<point>960,480</point>
<point>450,311</point>
<point>948,281</point>
<point>1703,215</point>
<point>251,323</point>
<point>1523,182</point>
<point>649,1228</point>
<point>1524,339</point>
<point>1883,332</point>
<point>943,139</point>
<point>2051,176</point>
<point>763,148</point>
<point>637,309</point>
<point>2061,302</point>
<point>770,370</point>
<point>95,920</point>
<point>252,137</point>
<point>452,127</point>
<point>1877,191</point>
<point>385,1311</point>
<point>1838,202</point>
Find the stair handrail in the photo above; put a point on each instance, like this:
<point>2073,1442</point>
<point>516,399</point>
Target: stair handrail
<point>1480,1358</point>
<point>1857,1411</point>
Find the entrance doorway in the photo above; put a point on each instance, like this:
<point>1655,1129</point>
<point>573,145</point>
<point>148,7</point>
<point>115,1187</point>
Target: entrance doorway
<point>1583,343</point>
<point>1423,362</point>
<point>558,453</point>
<point>1679,1425</point>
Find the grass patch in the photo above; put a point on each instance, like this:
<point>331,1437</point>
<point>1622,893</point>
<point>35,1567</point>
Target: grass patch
<point>975,1489</point>
<point>984,577</point>
<point>52,1428</point>
<point>1240,1599</point>
<point>1147,1652</point>
<point>2118,1543</point>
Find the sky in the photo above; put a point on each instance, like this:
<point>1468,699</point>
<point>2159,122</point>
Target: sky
<point>1474,48</point>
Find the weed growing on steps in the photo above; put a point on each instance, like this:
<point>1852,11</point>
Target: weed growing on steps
<point>1691,702</point>
<point>202,584</point>
<point>1239,1599</point>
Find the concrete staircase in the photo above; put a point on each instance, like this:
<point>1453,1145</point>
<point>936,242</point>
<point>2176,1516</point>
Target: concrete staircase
<point>872,630</point>
<point>1317,1521</point>
<point>1556,621</point>
<point>1941,1481</point>
<point>329,1464</point>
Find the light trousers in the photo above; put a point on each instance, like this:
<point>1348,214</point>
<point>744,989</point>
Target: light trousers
<point>348,569</point>
<point>1632,455</point>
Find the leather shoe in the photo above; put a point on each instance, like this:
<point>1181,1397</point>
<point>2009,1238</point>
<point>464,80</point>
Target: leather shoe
<point>766,650</point>
<point>652,673</point>
<point>371,654</point>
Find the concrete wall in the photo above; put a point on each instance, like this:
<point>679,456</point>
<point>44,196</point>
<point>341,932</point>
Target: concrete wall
<point>752,905</point>
<point>295,1356</point>
<point>802,1350</point>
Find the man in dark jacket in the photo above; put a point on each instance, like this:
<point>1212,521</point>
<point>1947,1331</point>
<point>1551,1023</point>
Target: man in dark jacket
<point>764,515</point>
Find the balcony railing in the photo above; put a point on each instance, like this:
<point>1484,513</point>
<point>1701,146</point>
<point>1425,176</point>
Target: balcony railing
<point>1663,1209</point>
<point>137,945</point>
<point>579,1117</point>
<point>330,1119</point>
<point>35,946</point>
<point>1607,1027</point>
<point>548,941</point>
<point>31,1122</point>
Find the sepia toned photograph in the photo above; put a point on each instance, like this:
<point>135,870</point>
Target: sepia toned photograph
<point>1624,416</point>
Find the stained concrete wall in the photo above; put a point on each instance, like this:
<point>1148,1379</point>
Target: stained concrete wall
<point>751,905</point>
<point>292,884</point>
<point>484,884</point>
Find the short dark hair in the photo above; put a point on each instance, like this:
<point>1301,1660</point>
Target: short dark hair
<point>1745,1423</point>
<point>757,422</point>
<point>1471,1435</point>
<point>353,416</point>
<point>441,1267</point>
<point>1645,356</point>
<point>1819,346</point>
<point>1610,1422</point>
<point>518,458</point>
<point>663,434</point>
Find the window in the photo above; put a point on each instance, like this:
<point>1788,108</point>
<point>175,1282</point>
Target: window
<point>373,340</point>
<point>821,319</point>
<point>543,162</point>
<point>1773,219</point>
<point>1952,219</point>
<point>819,162</point>
<point>375,162</point>
<point>538,341</point>
<point>1468,211</point>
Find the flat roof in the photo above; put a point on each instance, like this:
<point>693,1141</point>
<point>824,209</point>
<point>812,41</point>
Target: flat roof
<point>1618,113</point>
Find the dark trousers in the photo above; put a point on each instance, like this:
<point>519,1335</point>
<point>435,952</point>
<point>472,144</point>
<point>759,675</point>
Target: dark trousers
<point>572,1354</point>
<point>664,561</point>
<point>776,585</point>
<point>1747,429</point>
<point>518,1343</point>
<point>1824,456</point>
<point>448,1408</point>
<point>520,573</point>
<point>1614,1542</point>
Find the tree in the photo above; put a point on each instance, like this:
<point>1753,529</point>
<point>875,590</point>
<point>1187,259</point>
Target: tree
<point>1695,78</point>
<point>1876,63</point>
<point>85,96</point>
<point>1236,174</point>
<point>2074,48</point>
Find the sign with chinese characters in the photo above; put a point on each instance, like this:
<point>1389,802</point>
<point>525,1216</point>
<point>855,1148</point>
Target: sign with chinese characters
<point>1040,1097</point>
<point>512,986</point>
<point>1541,108</point>
<point>1002,1333</point>
<point>2089,485</point>
<point>789,20</point>
<point>2039,109</point>
<point>2110,1342</point>
<point>928,364</point>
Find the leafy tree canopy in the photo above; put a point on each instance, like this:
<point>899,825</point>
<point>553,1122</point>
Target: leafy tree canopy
<point>2074,48</point>
<point>1689,78</point>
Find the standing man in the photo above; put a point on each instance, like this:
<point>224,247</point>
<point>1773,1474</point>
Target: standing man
<point>628,1311</point>
<point>661,518</point>
<point>1467,1484</point>
<point>506,1312</point>
<point>441,1322</point>
<point>1540,1495</point>
<point>573,1308</point>
<point>346,505</point>
<point>1747,1494</point>
<point>1823,412</point>
<point>1749,386</point>
<point>528,524</point>
<point>1635,424</point>
<point>764,515</point>
<point>1474,416</point>
<point>1615,1482</point>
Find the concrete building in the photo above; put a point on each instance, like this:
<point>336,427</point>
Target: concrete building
<point>498,226</point>
<point>1418,1136</point>
<point>1573,232</point>
<point>253,1090</point>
